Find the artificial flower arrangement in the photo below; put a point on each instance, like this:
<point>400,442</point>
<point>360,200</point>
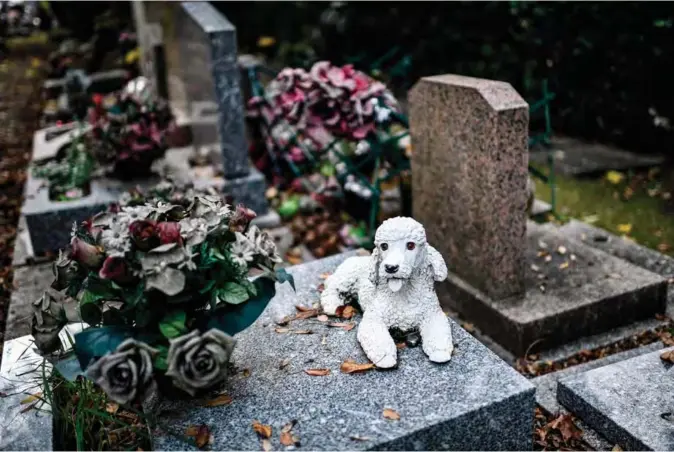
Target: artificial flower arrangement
<point>162,287</point>
<point>303,115</point>
<point>128,132</point>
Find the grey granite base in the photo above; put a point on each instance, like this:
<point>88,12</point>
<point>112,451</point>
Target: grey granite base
<point>474,402</point>
<point>617,246</point>
<point>595,293</point>
<point>625,401</point>
<point>21,376</point>
<point>101,82</point>
<point>574,158</point>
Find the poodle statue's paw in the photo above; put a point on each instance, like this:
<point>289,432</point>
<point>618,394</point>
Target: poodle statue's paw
<point>387,361</point>
<point>440,356</point>
<point>330,303</point>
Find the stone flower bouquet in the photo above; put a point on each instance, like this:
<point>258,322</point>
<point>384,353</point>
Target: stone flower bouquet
<point>162,287</point>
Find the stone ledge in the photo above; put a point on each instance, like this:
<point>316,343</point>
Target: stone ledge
<point>624,401</point>
<point>595,293</point>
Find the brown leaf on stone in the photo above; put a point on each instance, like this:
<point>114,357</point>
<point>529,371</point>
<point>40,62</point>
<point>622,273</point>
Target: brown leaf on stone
<point>342,325</point>
<point>617,448</point>
<point>306,314</point>
<point>349,367</point>
<point>468,327</point>
<point>391,414</point>
<point>264,431</point>
<point>266,445</point>
<point>320,288</point>
<point>203,436</point>
<point>345,312</point>
<point>322,318</point>
<point>284,321</point>
<point>282,330</point>
<point>401,345</point>
<point>317,372</point>
<point>325,275</point>
<point>191,431</point>
<point>304,309</point>
<point>222,399</point>
<point>294,260</point>
<point>668,356</point>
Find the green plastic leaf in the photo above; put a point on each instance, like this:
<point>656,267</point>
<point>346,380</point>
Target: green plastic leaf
<point>173,324</point>
<point>69,367</point>
<point>89,309</point>
<point>232,319</point>
<point>250,287</point>
<point>233,293</point>
<point>207,288</point>
<point>93,343</point>
<point>170,281</point>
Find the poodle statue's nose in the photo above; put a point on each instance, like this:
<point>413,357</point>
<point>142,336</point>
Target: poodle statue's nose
<point>391,268</point>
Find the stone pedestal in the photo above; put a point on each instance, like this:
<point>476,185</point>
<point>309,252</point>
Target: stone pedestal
<point>474,402</point>
<point>151,43</point>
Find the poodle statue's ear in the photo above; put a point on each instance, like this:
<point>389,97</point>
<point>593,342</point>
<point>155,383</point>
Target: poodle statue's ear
<point>375,260</point>
<point>437,263</point>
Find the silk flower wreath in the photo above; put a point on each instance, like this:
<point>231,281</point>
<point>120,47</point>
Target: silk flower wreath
<point>163,287</point>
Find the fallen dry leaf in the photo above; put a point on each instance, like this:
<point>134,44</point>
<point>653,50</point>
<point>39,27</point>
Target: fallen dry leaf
<point>345,312</point>
<point>303,315</point>
<point>391,414</point>
<point>264,431</point>
<point>290,331</point>
<point>564,423</point>
<point>203,436</point>
<point>284,321</point>
<point>344,326</point>
<point>266,445</point>
<point>288,439</point>
<point>322,318</point>
<point>317,372</point>
<point>28,408</point>
<point>293,260</point>
<point>401,345</point>
<point>31,398</point>
<point>111,407</point>
<point>617,448</point>
<point>304,309</point>
<point>614,177</point>
<point>350,367</point>
<point>468,327</point>
<point>282,330</point>
<point>564,265</point>
<point>191,431</point>
<point>625,228</point>
<point>222,399</point>
<point>662,247</point>
<point>324,275</point>
<point>668,356</point>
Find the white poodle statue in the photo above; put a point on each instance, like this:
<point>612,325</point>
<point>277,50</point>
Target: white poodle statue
<point>395,289</point>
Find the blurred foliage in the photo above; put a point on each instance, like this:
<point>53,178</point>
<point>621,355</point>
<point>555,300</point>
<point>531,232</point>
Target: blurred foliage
<point>610,64</point>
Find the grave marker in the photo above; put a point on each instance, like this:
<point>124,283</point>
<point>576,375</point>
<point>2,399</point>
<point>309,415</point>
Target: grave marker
<point>517,281</point>
<point>151,43</point>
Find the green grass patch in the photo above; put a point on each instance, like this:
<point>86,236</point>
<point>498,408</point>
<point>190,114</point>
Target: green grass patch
<point>628,205</point>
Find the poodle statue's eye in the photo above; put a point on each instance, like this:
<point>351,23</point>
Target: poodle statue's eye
<point>383,246</point>
<point>410,246</point>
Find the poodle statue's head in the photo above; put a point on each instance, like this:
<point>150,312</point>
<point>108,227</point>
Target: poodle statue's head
<point>400,250</point>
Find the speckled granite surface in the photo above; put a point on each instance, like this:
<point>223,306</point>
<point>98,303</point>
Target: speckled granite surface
<point>565,299</point>
<point>475,402</point>
<point>624,401</point>
<point>470,177</point>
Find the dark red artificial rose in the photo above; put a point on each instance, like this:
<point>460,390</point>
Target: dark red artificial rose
<point>169,232</point>
<point>241,218</point>
<point>144,234</point>
<point>85,253</point>
<point>115,269</point>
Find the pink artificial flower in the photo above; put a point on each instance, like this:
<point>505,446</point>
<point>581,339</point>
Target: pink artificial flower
<point>169,232</point>
<point>85,253</point>
<point>115,269</point>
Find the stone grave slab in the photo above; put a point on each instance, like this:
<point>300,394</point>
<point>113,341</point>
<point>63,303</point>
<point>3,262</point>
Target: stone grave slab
<point>617,246</point>
<point>573,157</point>
<point>595,293</point>
<point>49,222</point>
<point>20,376</point>
<point>474,402</point>
<point>625,401</point>
<point>48,141</point>
<point>150,40</point>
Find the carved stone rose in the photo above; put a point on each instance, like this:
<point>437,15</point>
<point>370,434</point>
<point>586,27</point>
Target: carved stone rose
<point>199,361</point>
<point>126,373</point>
